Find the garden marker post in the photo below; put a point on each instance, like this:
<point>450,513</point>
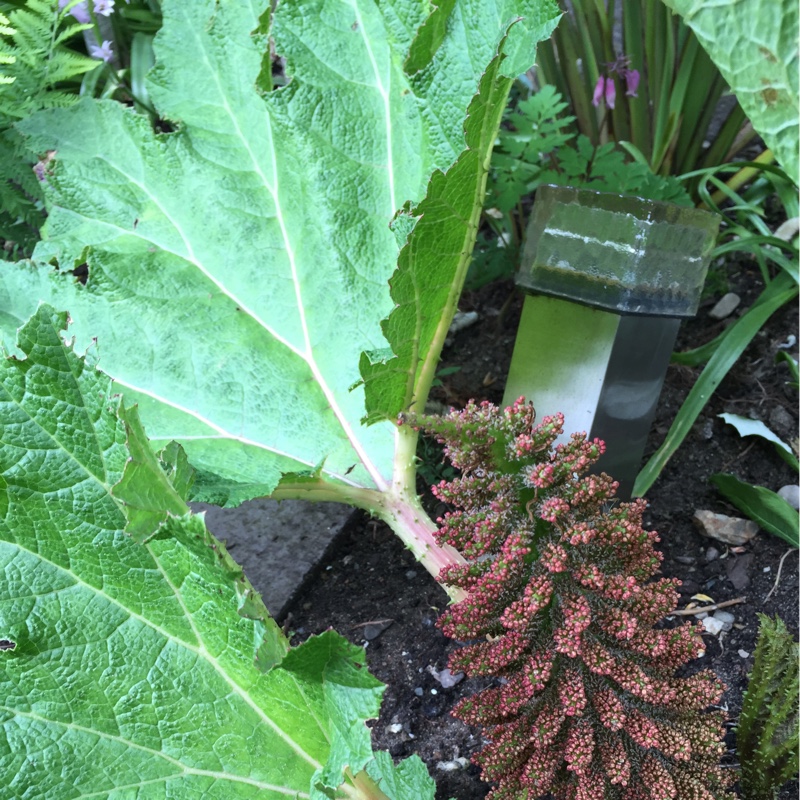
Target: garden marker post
<point>608,279</point>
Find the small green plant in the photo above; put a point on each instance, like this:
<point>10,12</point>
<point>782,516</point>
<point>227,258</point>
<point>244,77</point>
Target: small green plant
<point>39,71</point>
<point>539,145</point>
<point>767,734</point>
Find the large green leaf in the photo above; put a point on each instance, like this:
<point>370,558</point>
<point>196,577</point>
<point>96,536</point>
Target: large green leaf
<point>754,45</point>
<point>238,266</point>
<point>145,670</point>
<point>433,264</point>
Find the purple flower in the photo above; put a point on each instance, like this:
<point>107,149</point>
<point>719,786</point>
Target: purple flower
<point>102,51</point>
<point>631,81</point>
<point>79,11</point>
<point>604,90</point>
<point>598,91</point>
<point>104,7</point>
<point>611,92</point>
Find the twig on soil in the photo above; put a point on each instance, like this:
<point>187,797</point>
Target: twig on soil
<point>688,612</point>
<point>736,458</point>
<point>778,576</point>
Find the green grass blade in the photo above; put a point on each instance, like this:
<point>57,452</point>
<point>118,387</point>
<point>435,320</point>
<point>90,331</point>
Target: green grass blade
<point>547,69</point>
<point>701,102</point>
<point>579,90</point>
<point>664,58</point>
<point>720,149</point>
<point>737,337</point>
<point>637,106</point>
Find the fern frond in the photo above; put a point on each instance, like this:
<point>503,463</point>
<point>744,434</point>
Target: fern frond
<point>35,61</point>
<point>21,198</point>
<point>5,26</point>
<point>35,71</point>
<point>69,31</point>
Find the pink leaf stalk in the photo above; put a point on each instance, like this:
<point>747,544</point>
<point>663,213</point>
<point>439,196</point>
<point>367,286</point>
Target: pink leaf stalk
<point>562,606</point>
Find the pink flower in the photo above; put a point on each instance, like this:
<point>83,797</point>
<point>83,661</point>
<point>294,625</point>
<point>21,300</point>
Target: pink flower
<point>604,89</point>
<point>564,613</point>
<point>631,81</point>
<point>599,89</point>
<point>611,92</point>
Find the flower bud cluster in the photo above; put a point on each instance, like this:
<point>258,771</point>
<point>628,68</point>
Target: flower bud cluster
<point>561,605</point>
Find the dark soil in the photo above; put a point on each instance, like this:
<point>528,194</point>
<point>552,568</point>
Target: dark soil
<point>368,580</point>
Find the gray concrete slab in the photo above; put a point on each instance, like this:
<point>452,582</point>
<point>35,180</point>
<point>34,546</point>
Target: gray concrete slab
<point>276,543</point>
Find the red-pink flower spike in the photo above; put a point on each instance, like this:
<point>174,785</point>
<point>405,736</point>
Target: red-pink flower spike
<point>562,605</point>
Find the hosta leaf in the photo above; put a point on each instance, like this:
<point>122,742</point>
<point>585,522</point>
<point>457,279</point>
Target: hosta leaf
<point>238,266</point>
<point>754,45</point>
<point>139,670</point>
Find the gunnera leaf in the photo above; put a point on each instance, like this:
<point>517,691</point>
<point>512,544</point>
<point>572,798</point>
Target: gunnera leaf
<point>754,45</point>
<point>238,266</point>
<point>152,669</point>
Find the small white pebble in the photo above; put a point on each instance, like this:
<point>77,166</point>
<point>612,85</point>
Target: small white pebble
<point>744,653</point>
<point>726,618</point>
<point>461,320</point>
<point>791,494</point>
<point>713,625</point>
<point>433,691</point>
<point>445,677</point>
<point>396,728</point>
<point>767,569</point>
